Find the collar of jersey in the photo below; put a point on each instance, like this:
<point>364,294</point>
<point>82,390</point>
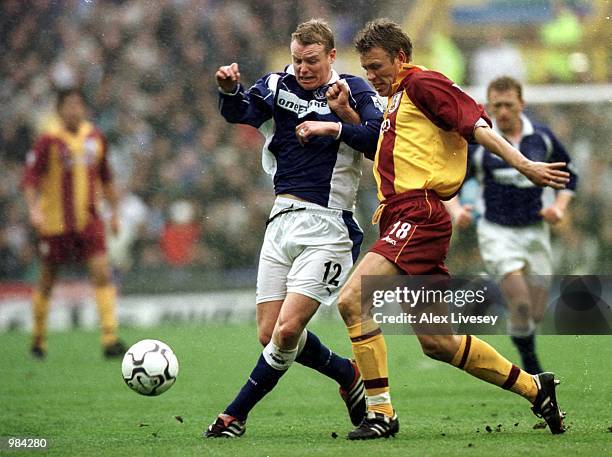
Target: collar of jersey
<point>525,122</point>
<point>334,74</point>
<point>407,70</point>
<point>83,130</point>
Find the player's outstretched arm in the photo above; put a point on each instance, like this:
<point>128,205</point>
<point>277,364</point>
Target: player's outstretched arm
<point>228,77</point>
<point>540,173</point>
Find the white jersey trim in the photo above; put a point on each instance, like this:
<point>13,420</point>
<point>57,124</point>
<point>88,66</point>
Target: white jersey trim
<point>345,179</point>
<point>268,128</point>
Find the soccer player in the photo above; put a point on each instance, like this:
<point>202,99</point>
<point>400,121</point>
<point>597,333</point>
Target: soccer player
<point>514,234</point>
<point>65,172</point>
<point>308,114</point>
<point>421,159</point>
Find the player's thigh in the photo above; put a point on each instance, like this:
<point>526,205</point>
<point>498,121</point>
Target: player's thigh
<point>349,302</point>
<point>274,266</point>
<point>91,242</point>
<point>267,315</point>
<point>536,244</point>
<point>319,271</point>
<point>500,248</point>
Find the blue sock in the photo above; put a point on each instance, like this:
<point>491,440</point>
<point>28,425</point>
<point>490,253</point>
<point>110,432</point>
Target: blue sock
<point>262,380</point>
<point>315,355</point>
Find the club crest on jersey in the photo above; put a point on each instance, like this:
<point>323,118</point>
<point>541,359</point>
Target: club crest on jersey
<point>395,102</point>
<point>319,93</point>
<point>292,102</point>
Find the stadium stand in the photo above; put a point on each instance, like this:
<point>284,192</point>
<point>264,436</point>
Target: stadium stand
<point>147,72</point>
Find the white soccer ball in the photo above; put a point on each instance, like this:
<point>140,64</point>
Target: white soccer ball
<point>149,367</point>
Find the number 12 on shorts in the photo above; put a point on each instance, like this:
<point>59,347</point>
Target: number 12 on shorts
<point>332,271</point>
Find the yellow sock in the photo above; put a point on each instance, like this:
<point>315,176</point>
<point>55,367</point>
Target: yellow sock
<point>483,361</point>
<point>370,353</point>
<point>40,312</point>
<point>106,299</point>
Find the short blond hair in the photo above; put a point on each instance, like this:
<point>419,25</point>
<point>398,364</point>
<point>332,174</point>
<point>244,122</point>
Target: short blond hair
<point>314,31</point>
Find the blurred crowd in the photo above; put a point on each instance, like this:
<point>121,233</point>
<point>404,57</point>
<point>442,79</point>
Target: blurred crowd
<point>193,192</point>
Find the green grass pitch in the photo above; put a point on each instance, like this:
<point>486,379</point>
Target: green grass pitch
<point>78,400</point>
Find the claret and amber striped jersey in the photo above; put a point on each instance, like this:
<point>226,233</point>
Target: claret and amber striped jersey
<point>67,169</point>
<point>423,143</point>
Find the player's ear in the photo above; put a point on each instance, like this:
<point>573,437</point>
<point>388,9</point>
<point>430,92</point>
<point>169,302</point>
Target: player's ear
<point>402,57</point>
<point>332,56</point>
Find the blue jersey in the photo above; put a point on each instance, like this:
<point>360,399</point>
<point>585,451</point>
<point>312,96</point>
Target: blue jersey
<point>509,197</point>
<point>323,171</point>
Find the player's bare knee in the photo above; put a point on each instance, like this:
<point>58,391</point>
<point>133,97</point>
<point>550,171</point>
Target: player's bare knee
<point>522,310</point>
<point>537,316</point>
<point>45,288</point>
<point>349,307</point>
<point>288,332</point>
<point>101,278</point>
<point>264,337</point>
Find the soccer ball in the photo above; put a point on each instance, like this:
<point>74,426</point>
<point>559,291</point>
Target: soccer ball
<point>149,367</point>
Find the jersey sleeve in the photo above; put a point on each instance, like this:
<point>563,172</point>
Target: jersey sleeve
<point>252,107</point>
<point>445,104</point>
<point>37,160</point>
<point>560,154</point>
<point>363,137</point>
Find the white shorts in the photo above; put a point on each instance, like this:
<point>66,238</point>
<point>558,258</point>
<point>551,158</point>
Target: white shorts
<point>308,249</point>
<point>506,249</point>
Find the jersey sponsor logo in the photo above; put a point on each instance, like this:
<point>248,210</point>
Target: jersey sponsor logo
<point>511,177</point>
<point>293,103</point>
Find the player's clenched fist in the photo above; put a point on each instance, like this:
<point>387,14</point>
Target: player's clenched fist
<point>337,96</point>
<point>228,77</point>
